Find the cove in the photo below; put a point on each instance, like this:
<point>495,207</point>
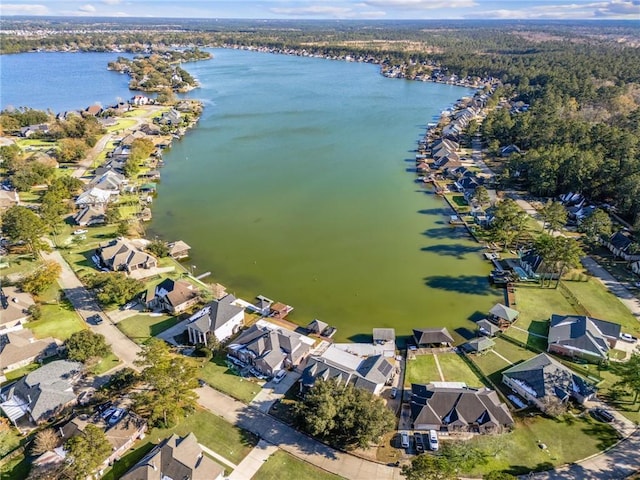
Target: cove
<point>295,185</point>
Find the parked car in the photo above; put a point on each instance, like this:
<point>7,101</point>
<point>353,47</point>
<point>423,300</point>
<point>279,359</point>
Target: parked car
<point>434,445</point>
<point>419,443</point>
<point>394,392</point>
<point>279,376</point>
<point>108,412</point>
<point>404,439</point>
<point>116,416</point>
<point>95,319</point>
<point>627,337</point>
<point>602,414</point>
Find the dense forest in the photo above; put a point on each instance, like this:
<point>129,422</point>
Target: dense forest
<point>579,80</point>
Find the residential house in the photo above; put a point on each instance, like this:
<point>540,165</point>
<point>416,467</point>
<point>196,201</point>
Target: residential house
<point>619,244</point>
<point>140,100</point>
<point>432,337</point>
<point>90,215</point>
<point>444,142</point>
<point>19,348</point>
<point>93,110</point>
<point>110,181</point>
<point>582,337</point>
<point>502,315</point>
<point>170,118</point>
<point>149,129</point>
<point>173,296</point>
<point>479,345</point>
<point>44,158</point>
<point>40,129</point>
<point>458,409</point>
<point>541,380</point>
<point>176,458</point>
<point>635,267</point>
<point>509,150</point>
<point>485,327</point>
<point>122,255</point>
<point>129,139</point>
<point>534,265</point>
<point>222,318</point>
<point>371,373</point>
<point>8,198</point>
<point>43,393</point>
<point>268,348</point>
<point>14,308</point>
<point>96,197</point>
<point>179,249</point>
<point>448,161</point>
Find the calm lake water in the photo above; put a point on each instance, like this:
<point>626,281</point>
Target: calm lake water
<point>294,186</point>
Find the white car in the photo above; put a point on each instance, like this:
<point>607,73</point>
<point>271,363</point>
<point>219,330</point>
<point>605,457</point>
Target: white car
<point>434,445</point>
<point>404,440</point>
<point>279,376</point>
<point>628,338</point>
<point>80,231</point>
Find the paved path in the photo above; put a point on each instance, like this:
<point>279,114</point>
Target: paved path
<point>292,441</point>
<point>252,462</point>
<point>86,306</point>
<point>272,391</point>
<point>528,332</point>
<point>503,358</point>
<point>435,357</point>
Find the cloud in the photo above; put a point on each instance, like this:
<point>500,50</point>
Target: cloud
<point>620,8</point>
<point>16,9</point>
<point>112,2</point>
<point>421,4</point>
<point>87,8</point>
<point>313,10</point>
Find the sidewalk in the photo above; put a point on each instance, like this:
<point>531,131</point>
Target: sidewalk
<point>252,462</point>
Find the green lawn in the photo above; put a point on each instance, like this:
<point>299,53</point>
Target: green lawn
<point>9,441</point>
<point>601,303</point>
<point>455,369</point>
<point>141,328</point>
<point>106,364</point>
<point>282,466</point>
<point>21,372</point>
<point>23,264</point>
<point>122,124</point>
<point>567,439</point>
<point>421,369</point>
<point>58,321</point>
<point>219,376</point>
<point>16,469</point>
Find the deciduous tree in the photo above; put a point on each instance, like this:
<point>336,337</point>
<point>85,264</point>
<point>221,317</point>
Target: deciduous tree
<point>86,345</point>
<point>44,441</point>
<point>429,467</point>
<point>629,373</point>
<point>20,224</point>
<point>596,225</point>
<point>114,288</point>
<point>42,277</point>
<point>85,452</point>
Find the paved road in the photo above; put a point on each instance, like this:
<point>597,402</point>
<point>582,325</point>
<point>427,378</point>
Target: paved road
<point>292,441</point>
<point>86,306</point>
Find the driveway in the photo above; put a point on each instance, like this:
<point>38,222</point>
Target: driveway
<point>272,391</point>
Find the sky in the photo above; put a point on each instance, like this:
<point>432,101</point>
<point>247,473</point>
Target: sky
<point>331,9</point>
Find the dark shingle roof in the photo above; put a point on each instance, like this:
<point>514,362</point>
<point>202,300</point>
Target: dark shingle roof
<point>502,311</point>
<point>582,333</point>
<point>432,335</point>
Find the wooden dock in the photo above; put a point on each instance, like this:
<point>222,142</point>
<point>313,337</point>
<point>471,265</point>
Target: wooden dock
<point>510,290</point>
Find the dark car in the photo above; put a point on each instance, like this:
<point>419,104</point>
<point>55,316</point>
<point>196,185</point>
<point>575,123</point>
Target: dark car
<point>95,319</point>
<point>604,415</point>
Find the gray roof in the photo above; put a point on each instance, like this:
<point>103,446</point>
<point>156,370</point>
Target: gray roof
<point>431,335</point>
<point>581,333</point>
<point>317,326</point>
<point>479,344</point>
<point>384,335</point>
<point>502,311</point>
<point>220,312</point>
<point>47,388</point>
<point>461,407</point>
<point>487,327</point>
<point>370,373</point>
<point>177,458</point>
<point>545,376</point>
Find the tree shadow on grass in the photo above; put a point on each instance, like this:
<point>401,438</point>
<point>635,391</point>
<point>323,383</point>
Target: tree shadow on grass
<point>471,284</point>
<point>435,211</point>
<point>160,327</point>
<point>477,316</point>
<point>604,433</point>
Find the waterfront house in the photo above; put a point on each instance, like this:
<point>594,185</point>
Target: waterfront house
<point>96,197</point>
<point>109,180</point>
<point>458,409</point>
<point>269,348</point>
<point>534,265</point>
<point>448,161</point>
<point>582,337</point>
<point>478,345</point>
<point>173,296</point>
<point>93,110</point>
<point>619,244</point>
<point>432,337</point>
<point>14,308</point>
<point>502,315</point>
<point>221,318</point>
<point>317,326</point>
<point>140,100</point>
<point>43,393</point>
<point>19,348</point>
<point>444,142</point>
<point>176,458</point>
<point>178,249</point>
<point>121,254</point>
<point>90,215</point>
<point>170,118</point>
<point>485,327</point>
<point>371,373</point>
<point>542,381</point>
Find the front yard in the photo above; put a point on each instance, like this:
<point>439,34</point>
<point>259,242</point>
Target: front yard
<point>142,327</point>
<point>282,466</point>
<point>217,374</point>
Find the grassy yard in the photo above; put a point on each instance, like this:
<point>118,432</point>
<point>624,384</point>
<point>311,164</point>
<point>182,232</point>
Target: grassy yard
<point>106,364</point>
<point>567,439</point>
<point>16,469</point>
<point>231,442</point>
<point>21,372</point>
<point>282,466</point>
<point>58,321</point>
<point>219,376</point>
<point>421,369</point>
<point>455,369</point>
<point>492,365</point>
<point>22,264</point>
<point>141,328</point>
<point>122,124</point>
<point>601,303</point>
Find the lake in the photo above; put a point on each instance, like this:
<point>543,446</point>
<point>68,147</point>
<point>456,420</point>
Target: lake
<point>297,185</point>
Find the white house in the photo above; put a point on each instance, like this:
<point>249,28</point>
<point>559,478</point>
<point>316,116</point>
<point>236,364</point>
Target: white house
<point>221,317</point>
